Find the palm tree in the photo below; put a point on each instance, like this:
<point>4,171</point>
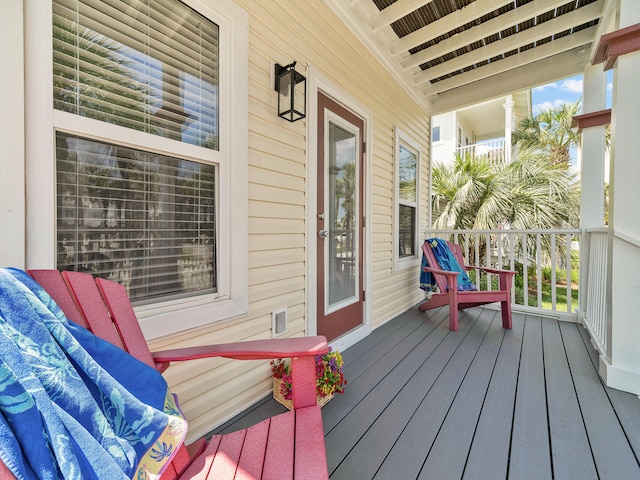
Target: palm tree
<point>530,192</point>
<point>551,132</point>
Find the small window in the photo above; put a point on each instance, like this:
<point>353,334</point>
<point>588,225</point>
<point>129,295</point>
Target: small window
<point>435,134</point>
<point>407,195</point>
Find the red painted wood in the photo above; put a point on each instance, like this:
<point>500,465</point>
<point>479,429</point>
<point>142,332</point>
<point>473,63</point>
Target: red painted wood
<point>310,454</point>
<point>116,299</point>
<point>614,44</point>
<point>449,294</point>
<point>52,282</point>
<point>303,376</point>
<point>267,450</point>
<point>85,292</point>
<point>278,462</point>
<point>253,452</point>
<point>249,350</point>
<point>592,119</point>
<point>199,469</point>
<point>225,463</point>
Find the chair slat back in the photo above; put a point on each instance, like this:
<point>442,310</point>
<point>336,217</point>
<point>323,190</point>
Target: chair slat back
<point>54,284</point>
<point>457,252</point>
<point>441,280</point>
<point>88,299</point>
<point>124,318</point>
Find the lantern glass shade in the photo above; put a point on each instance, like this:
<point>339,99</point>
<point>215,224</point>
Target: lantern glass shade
<point>292,92</point>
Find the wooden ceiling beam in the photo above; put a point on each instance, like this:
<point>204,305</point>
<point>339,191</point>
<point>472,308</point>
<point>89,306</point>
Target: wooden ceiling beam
<point>491,27</point>
<point>545,71</point>
<point>450,22</point>
<point>394,12</point>
<point>570,42</point>
<point>546,29</point>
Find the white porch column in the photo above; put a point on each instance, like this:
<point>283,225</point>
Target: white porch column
<point>622,370</point>
<point>509,125</point>
<point>591,155</point>
<point>591,164</point>
<point>12,181</point>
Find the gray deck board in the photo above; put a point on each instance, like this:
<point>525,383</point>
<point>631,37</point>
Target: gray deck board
<point>488,456</point>
<point>570,447</point>
<point>456,433</point>
<point>611,450</point>
<point>530,449</point>
<point>481,403</point>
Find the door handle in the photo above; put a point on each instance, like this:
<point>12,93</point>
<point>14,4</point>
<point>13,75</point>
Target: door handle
<point>323,233</point>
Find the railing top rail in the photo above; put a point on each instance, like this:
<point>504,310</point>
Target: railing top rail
<point>597,230</point>
<point>505,231</point>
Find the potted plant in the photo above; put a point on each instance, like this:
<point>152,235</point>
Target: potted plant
<point>329,378</point>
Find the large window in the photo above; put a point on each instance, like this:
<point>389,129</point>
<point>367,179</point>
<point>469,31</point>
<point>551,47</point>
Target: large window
<point>141,218</point>
<point>407,156</point>
<point>130,147</point>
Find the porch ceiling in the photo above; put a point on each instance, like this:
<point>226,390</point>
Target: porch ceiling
<point>453,53</point>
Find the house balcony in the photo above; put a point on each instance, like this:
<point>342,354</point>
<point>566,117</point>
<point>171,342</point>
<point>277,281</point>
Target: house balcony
<point>494,151</point>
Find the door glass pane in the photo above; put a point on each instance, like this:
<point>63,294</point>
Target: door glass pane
<point>342,221</point>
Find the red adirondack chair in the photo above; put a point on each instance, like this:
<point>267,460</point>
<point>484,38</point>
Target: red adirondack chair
<point>448,293</point>
<point>287,446</point>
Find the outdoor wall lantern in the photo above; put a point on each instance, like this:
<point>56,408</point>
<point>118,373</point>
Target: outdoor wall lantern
<point>292,92</point>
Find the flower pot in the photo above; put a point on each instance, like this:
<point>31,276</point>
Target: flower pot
<point>277,395</point>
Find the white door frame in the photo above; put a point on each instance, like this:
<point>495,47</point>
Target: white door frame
<point>317,82</point>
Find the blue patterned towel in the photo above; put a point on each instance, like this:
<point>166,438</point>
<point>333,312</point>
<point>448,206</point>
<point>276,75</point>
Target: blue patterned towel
<point>73,406</point>
<point>446,261</point>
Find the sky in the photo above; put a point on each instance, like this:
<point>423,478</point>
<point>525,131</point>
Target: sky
<point>563,91</point>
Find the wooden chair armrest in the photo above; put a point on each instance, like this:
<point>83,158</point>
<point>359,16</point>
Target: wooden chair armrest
<point>301,350</point>
<point>447,273</point>
<point>249,350</point>
<point>497,271</point>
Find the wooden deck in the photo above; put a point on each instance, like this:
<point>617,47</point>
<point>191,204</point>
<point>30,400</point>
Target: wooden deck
<point>483,403</point>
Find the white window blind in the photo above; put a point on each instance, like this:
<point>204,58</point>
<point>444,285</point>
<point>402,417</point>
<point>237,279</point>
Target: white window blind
<point>149,65</point>
<point>145,219</point>
<point>142,219</point>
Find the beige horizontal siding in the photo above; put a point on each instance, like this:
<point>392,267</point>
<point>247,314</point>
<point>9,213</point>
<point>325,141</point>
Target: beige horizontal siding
<point>309,32</point>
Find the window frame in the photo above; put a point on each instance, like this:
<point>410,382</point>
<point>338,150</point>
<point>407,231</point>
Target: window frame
<point>163,318</point>
<point>433,129</point>
<point>404,140</point>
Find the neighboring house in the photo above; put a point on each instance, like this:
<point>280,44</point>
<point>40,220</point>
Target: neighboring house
<point>482,129</point>
<point>144,145</point>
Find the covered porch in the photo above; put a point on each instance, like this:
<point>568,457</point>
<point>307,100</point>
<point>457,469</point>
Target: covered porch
<point>485,402</point>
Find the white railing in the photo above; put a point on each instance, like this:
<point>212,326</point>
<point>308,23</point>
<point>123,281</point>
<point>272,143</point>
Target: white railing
<point>547,262</point>
<point>595,315</point>
<point>493,150</point>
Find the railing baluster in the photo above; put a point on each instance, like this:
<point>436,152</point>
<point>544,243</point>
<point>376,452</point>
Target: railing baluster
<point>554,266</point>
<point>514,248</point>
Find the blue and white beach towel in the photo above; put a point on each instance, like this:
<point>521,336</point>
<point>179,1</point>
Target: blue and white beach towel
<point>73,406</point>
<point>446,261</point>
